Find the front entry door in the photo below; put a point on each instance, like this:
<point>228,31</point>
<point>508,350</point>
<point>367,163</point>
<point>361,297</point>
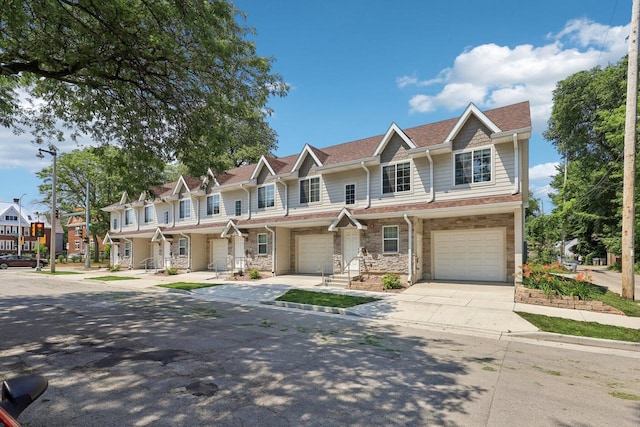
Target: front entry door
<point>350,246</point>
<point>166,253</point>
<point>238,253</point>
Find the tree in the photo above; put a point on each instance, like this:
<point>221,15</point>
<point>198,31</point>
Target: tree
<point>110,171</point>
<point>173,79</point>
<point>587,127</point>
<point>542,232</point>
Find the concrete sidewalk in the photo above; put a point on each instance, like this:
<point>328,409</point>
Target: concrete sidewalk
<point>468,308</point>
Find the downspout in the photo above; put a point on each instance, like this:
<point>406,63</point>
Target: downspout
<point>368,184</point>
<point>198,211</point>
<point>273,250</point>
<point>286,196</point>
<point>248,201</point>
<point>431,186</point>
<point>131,256</point>
<point>188,250</point>
<point>516,162</point>
<point>410,276</point>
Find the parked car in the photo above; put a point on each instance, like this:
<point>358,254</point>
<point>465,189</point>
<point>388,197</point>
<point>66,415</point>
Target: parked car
<point>20,261</point>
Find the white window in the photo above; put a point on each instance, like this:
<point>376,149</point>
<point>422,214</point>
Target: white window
<point>310,190</point>
<point>182,246</point>
<point>127,249</point>
<point>262,243</point>
<point>1,244</point>
<point>390,239</point>
<point>349,194</point>
<point>128,217</point>
<point>11,217</point>
<point>238,211</point>
<point>213,204</point>
<point>76,245</point>
<point>396,178</point>
<point>185,208</point>
<point>266,196</point>
<point>165,216</point>
<point>115,224</point>
<point>1,229</point>
<point>473,166</point>
<point>149,213</point>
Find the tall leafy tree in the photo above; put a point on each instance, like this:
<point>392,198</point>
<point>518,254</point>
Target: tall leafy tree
<point>587,128</point>
<point>174,79</point>
<point>109,170</point>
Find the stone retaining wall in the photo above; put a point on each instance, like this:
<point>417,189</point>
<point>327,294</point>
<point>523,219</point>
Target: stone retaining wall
<point>538,297</point>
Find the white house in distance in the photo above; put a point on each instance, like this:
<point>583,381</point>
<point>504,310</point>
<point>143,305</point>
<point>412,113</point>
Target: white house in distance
<point>441,201</point>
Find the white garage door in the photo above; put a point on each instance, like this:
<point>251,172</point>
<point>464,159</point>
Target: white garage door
<point>315,250</point>
<point>219,254</point>
<point>470,255</point>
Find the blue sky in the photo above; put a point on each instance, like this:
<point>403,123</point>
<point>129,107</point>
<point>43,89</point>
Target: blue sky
<point>356,66</point>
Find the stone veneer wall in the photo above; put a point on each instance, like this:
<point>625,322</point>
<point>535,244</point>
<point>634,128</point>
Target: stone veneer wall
<point>260,262</point>
<point>538,297</point>
<point>469,222</point>
<point>378,261</point>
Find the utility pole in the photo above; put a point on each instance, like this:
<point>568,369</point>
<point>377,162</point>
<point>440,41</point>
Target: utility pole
<point>87,248</point>
<point>628,203</point>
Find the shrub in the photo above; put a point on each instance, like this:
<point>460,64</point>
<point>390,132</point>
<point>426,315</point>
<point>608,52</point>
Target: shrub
<point>115,268</point>
<point>546,279</point>
<point>172,271</point>
<point>391,281</point>
<point>254,274</point>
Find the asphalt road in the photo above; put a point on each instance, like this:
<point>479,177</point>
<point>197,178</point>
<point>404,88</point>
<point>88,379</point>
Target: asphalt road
<point>116,357</point>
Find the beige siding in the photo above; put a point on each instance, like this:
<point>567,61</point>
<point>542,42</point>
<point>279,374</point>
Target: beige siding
<point>502,176</point>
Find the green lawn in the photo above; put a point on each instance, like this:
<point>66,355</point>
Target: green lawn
<point>324,298</point>
<point>583,329</point>
<point>58,272</point>
<point>630,308</point>
<point>112,278</point>
<point>187,286</point>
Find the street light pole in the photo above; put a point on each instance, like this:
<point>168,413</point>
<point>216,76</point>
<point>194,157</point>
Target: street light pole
<point>52,249</point>
<point>20,234</point>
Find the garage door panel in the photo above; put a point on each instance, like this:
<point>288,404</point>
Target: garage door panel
<point>475,254</point>
<point>315,250</point>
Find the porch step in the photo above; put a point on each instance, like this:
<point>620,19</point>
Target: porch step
<point>337,280</point>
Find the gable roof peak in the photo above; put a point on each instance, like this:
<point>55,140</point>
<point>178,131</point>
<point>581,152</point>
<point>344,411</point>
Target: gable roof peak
<point>394,129</point>
<point>472,110</point>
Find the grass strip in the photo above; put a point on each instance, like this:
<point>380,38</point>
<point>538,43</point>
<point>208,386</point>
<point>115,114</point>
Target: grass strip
<point>112,278</point>
<point>187,286</point>
<point>563,326</point>
<point>324,298</point>
<point>628,307</point>
<point>57,273</point>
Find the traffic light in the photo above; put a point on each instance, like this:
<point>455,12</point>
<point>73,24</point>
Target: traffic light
<point>21,240</point>
<point>33,229</point>
<point>39,229</point>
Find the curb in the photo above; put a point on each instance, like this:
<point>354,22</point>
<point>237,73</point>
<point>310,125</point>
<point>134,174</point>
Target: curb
<point>309,307</point>
<point>572,339</point>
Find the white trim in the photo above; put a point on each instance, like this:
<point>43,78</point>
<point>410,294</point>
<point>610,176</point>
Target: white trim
<point>472,150</point>
<point>263,161</point>
<point>306,149</point>
<point>266,206</point>
<point>397,238</point>
<point>355,194</point>
<point>395,191</point>
<point>181,183</point>
<point>266,244</point>
<point>394,128</point>
<point>345,212</point>
<point>471,109</point>
<point>309,202</point>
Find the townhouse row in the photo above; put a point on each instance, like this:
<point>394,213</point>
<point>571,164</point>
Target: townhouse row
<point>441,201</point>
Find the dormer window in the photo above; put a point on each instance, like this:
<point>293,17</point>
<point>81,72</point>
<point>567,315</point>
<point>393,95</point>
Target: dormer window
<point>128,217</point>
<point>396,178</point>
<point>213,204</point>
<point>310,190</point>
<point>149,213</point>
<point>266,196</point>
<point>185,208</point>
<point>473,167</point>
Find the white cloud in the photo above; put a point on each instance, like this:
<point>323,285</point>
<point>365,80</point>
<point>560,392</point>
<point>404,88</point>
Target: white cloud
<point>543,171</point>
<point>491,75</point>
